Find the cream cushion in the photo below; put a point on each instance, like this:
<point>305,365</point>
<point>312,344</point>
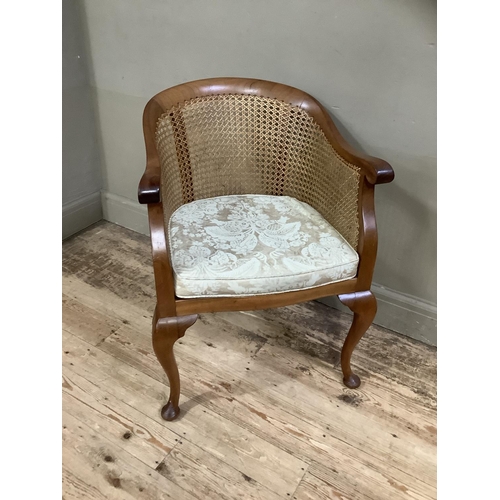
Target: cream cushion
<point>245,245</point>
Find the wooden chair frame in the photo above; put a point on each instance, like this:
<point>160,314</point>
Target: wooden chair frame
<point>174,315</point>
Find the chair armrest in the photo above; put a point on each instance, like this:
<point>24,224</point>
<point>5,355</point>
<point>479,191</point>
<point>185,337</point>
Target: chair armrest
<point>149,187</point>
<point>376,170</point>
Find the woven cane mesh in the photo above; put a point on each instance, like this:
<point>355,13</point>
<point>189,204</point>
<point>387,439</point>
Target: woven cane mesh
<point>244,144</point>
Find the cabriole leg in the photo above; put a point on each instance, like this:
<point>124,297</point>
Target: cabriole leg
<point>166,331</point>
<point>364,307</point>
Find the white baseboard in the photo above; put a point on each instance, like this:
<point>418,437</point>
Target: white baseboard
<point>397,311</point>
<point>81,213</point>
<point>125,212</point>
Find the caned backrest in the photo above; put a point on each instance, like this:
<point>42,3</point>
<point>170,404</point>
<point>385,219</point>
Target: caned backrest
<point>244,143</point>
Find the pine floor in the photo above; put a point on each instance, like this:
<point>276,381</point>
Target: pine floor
<point>264,412</point>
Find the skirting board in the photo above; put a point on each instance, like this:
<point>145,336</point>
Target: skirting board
<point>125,212</point>
<point>81,213</point>
<point>397,311</point>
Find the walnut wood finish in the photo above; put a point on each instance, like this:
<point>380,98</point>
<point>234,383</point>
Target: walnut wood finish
<point>364,307</point>
<point>166,331</point>
<point>171,314</point>
<point>164,278</point>
<point>190,306</point>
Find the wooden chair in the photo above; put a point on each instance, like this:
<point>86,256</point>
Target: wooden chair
<point>212,146</point>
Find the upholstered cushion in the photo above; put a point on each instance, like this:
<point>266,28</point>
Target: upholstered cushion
<point>254,244</point>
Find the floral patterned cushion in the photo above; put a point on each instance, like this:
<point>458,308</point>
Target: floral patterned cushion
<point>254,244</point>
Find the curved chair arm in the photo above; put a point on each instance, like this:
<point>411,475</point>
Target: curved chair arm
<point>368,238</point>
<point>164,277</point>
<point>376,170</point>
<point>149,186</point>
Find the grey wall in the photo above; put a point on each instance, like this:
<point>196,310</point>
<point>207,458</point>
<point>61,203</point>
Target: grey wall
<point>81,172</point>
<point>372,64</point>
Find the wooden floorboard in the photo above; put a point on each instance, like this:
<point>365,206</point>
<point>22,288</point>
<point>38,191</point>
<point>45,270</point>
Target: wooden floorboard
<point>264,412</point>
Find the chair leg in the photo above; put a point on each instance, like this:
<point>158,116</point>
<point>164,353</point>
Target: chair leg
<point>166,331</point>
<point>364,307</point>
